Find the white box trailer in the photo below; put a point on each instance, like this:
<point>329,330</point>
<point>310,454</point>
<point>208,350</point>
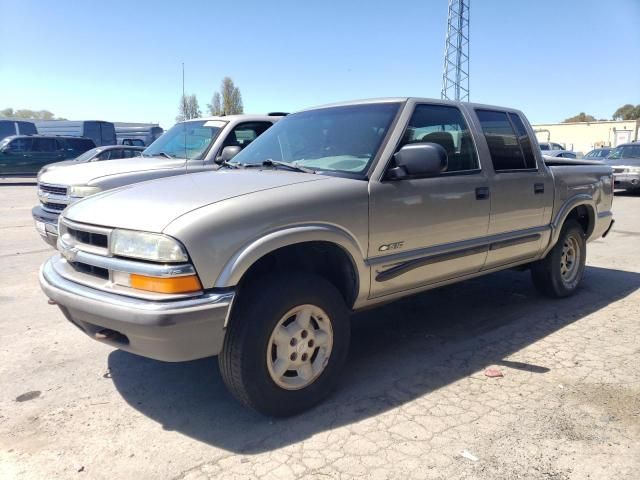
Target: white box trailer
<point>101,132</point>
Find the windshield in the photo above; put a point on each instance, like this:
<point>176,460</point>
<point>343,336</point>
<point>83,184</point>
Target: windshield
<point>335,139</point>
<point>190,140</point>
<point>88,155</point>
<point>625,151</point>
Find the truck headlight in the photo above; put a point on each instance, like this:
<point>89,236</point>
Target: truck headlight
<point>147,246</point>
<point>633,170</point>
<point>81,191</point>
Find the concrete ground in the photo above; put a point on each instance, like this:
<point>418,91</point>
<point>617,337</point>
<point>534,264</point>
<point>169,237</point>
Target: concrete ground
<point>414,401</point>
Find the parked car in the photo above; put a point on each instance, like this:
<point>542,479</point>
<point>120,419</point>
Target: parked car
<point>559,153</point>
<point>16,127</point>
<point>332,210</point>
<point>598,153</point>
<point>550,146</point>
<point>188,147</point>
<point>625,161</point>
<point>101,132</point>
<point>98,154</point>
<point>138,134</point>
<point>27,154</point>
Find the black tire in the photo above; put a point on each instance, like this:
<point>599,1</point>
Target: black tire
<point>259,308</point>
<point>546,273</point>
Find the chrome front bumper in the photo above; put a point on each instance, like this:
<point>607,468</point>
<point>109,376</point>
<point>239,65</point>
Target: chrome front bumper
<point>173,331</point>
<point>46,224</point>
<point>626,180</point>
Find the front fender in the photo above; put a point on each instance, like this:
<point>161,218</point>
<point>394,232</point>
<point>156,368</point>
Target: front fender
<point>254,250</point>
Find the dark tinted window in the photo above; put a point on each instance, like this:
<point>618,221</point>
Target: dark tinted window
<point>20,145</point>
<point>445,126</point>
<point>92,130</point>
<point>567,155</point>
<point>524,140</point>
<point>544,146</point>
<point>27,128</point>
<point>504,147</point>
<point>245,133</point>
<point>80,145</point>
<point>44,145</point>
<point>7,128</point>
<point>108,133</point>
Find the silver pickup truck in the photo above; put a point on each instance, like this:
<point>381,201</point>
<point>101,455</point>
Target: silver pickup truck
<point>191,146</point>
<point>332,210</point>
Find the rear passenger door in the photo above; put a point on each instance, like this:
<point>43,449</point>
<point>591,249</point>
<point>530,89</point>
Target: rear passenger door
<point>43,151</point>
<point>520,190</point>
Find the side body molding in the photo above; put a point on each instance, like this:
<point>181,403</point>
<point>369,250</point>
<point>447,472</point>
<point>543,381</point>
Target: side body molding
<point>251,252</point>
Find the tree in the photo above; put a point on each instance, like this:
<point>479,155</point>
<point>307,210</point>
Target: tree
<point>29,114</point>
<point>188,108</point>
<point>581,117</point>
<point>215,107</point>
<point>627,112</point>
<point>228,101</point>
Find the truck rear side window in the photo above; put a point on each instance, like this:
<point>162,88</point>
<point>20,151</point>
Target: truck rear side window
<point>524,140</point>
<point>504,147</point>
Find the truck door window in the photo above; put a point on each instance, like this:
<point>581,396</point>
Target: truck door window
<point>245,133</point>
<point>504,147</point>
<point>20,145</point>
<point>44,145</point>
<point>445,126</point>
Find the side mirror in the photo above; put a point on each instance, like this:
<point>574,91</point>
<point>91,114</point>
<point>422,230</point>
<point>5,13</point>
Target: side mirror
<point>227,154</point>
<point>419,159</point>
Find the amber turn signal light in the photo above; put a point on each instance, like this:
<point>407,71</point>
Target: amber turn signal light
<point>185,284</point>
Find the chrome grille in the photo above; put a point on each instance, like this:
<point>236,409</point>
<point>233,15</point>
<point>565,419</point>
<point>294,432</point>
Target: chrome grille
<point>55,207</point>
<point>89,238</point>
<point>54,189</point>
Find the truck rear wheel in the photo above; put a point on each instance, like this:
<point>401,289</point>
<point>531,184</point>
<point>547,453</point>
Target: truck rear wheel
<point>559,273</point>
<point>286,343</point>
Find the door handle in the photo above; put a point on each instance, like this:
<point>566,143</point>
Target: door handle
<point>538,188</point>
<point>482,193</point>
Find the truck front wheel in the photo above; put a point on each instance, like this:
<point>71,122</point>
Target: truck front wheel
<point>286,343</point>
<point>559,273</point>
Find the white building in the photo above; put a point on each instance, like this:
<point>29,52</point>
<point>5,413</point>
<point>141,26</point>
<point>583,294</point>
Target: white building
<point>585,136</point>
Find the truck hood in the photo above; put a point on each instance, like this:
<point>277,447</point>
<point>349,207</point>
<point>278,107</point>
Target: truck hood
<point>85,173</point>
<point>151,206</point>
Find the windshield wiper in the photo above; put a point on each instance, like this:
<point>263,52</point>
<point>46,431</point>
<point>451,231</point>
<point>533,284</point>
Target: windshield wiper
<point>228,164</point>
<point>290,166</point>
<point>158,154</point>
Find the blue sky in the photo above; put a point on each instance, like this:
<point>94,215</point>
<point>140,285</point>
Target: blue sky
<point>121,60</point>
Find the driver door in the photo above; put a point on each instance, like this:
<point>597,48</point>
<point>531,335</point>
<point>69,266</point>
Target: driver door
<point>428,230</point>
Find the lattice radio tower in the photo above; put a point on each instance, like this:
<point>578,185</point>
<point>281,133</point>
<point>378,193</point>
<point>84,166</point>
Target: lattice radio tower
<point>455,72</point>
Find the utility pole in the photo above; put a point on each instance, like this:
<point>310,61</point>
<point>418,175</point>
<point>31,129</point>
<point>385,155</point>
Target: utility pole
<point>455,71</point>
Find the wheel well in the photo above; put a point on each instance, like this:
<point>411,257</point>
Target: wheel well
<point>322,258</point>
<point>584,216</point>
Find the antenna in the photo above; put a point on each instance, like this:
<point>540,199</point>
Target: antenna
<point>455,71</point>
<point>184,115</point>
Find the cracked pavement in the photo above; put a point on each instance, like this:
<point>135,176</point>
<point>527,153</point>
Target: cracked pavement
<point>413,401</point>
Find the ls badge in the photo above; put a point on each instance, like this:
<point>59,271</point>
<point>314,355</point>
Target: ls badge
<point>391,246</point>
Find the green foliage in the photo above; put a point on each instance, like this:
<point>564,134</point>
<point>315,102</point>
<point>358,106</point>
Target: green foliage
<point>228,101</point>
<point>188,108</point>
<point>627,112</point>
<point>29,114</point>
<point>581,117</point>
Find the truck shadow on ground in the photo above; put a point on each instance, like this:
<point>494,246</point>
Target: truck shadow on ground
<point>399,352</point>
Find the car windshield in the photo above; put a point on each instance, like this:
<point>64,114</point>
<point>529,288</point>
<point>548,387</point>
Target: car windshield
<point>334,139</point>
<point>190,140</point>
<point>625,151</point>
<point>88,155</point>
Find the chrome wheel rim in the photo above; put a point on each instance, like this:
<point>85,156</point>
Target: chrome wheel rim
<point>570,259</point>
<point>299,347</point>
